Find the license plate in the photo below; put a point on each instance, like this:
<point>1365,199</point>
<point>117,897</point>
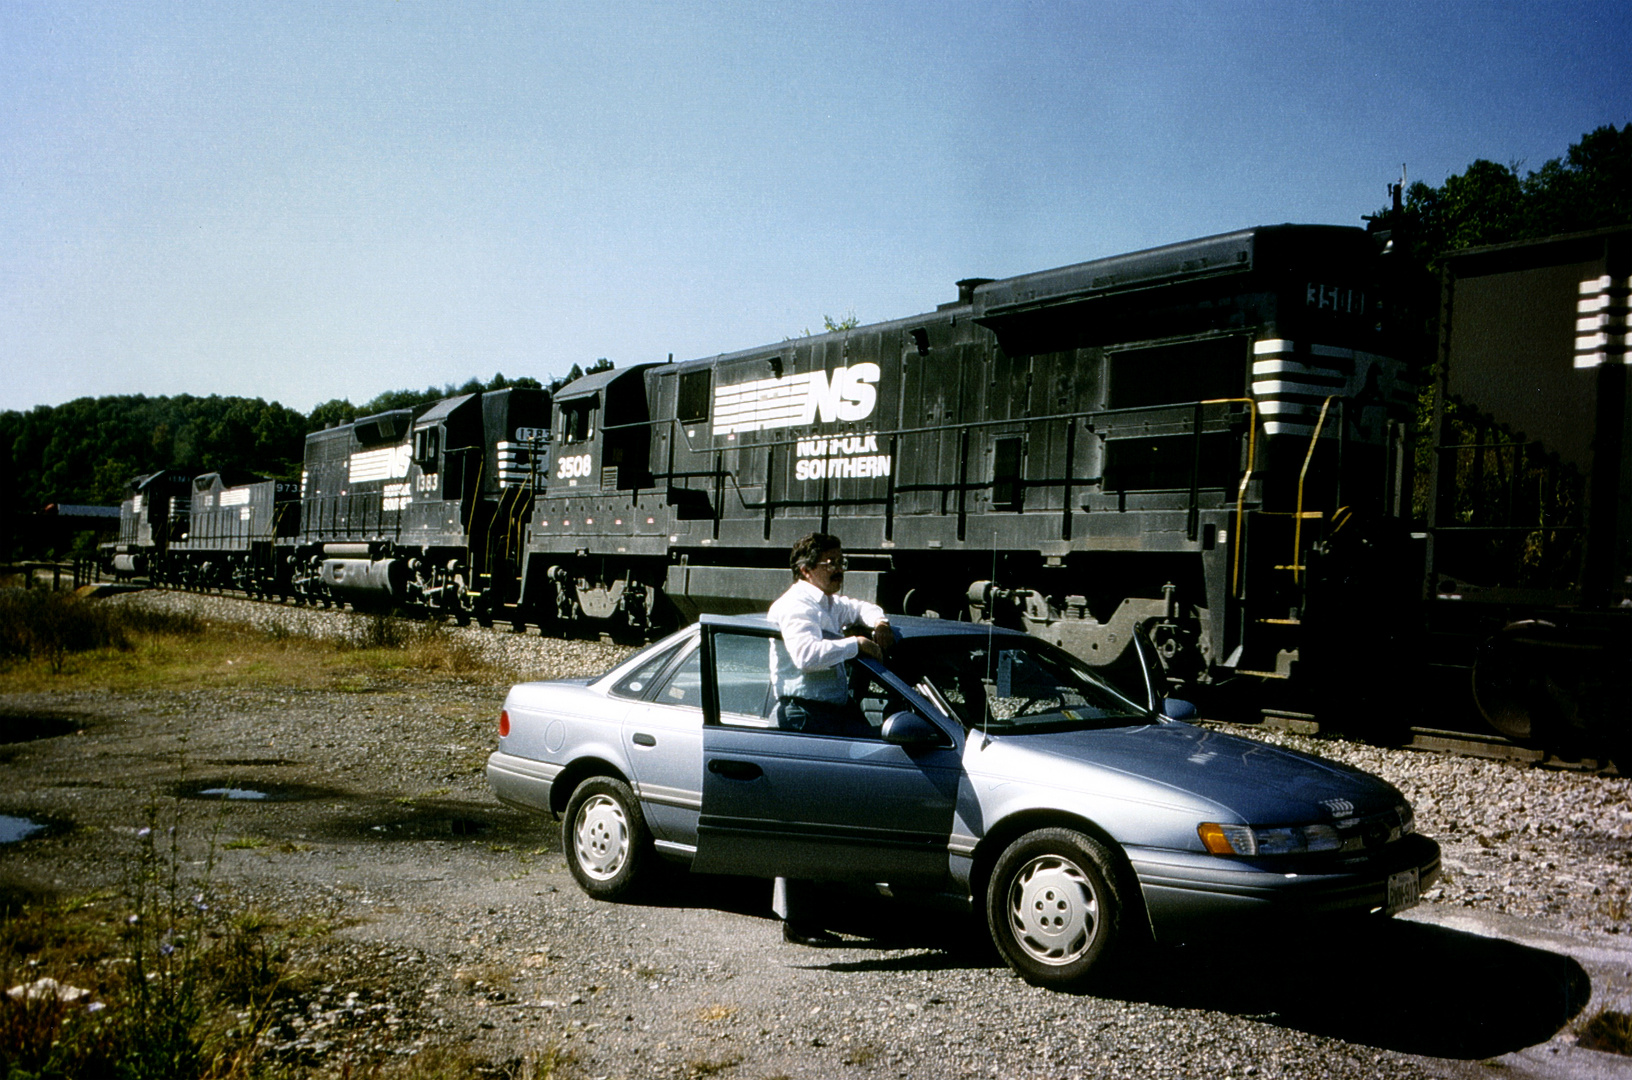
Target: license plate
<point>1403,889</point>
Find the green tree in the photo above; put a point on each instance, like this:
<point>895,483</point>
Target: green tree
<point>1589,188</point>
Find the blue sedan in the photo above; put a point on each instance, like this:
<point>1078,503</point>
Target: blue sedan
<point>978,762</point>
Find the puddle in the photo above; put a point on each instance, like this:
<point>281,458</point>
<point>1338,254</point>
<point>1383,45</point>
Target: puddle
<point>13,829</point>
<point>424,823</point>
<point>26,727</point>
<point>236,791</point>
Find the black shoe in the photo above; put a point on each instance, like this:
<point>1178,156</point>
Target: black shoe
<point>815,937</point>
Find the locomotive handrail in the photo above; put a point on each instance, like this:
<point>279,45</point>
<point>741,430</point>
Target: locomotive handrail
<point>1303,473</point>
<point>1246,478</point>
<point>719,474</point>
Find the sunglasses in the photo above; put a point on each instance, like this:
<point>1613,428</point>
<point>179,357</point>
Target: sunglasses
<point>835,564</point>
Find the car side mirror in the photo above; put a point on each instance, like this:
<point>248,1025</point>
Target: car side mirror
<point>909,730</point>
<point>1178,709</point>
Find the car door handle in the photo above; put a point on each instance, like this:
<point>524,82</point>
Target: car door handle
<point>640,738</point>
<point>735,770</point>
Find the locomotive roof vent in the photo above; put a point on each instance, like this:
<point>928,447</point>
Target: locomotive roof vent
<point>966,292</point>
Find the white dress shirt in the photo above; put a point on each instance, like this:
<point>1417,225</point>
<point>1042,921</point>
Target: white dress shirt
<point>811,666</point>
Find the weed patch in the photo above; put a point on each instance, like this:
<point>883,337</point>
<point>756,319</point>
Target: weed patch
<point>1609,1031</point>
<point>161,981</point>
<point>39,624</point>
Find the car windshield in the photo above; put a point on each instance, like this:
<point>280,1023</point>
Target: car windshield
<point>1014,685</point>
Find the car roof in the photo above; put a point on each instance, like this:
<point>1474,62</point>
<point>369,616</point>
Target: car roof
<point>905,627</point>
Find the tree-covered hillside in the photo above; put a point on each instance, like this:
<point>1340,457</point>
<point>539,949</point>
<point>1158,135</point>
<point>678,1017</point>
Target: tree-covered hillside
<point>85,451</point>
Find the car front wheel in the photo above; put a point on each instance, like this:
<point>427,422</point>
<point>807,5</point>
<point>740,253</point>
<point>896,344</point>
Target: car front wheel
<point>1053,908</point>
<point>607,844</point>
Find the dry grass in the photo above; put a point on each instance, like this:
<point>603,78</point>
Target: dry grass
<point>700,1067</point>
<point>150,984</point>
<point>711,1013</point>
<point>49,642</point>
<point>1609,1031</point>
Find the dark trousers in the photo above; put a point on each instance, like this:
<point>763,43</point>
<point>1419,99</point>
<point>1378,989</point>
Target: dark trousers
<point>820,717</point>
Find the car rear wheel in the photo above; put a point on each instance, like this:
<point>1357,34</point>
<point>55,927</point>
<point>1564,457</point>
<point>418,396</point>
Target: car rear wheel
<point>607,844</point>
<point>1053,908</point>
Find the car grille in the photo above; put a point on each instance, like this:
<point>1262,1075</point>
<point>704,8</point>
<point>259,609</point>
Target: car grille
<point>1370,832</point>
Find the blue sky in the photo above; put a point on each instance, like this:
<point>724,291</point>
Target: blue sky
<point>308,201</point>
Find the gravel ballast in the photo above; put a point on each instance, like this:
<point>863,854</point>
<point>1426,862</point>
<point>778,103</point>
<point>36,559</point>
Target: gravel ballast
<point>455,921</point>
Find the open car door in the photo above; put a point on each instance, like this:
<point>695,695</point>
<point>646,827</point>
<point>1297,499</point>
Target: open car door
<point>851,807</point>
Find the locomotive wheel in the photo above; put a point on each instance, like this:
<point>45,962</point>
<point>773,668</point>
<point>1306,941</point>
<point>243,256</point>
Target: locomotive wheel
<point>1513,688</point>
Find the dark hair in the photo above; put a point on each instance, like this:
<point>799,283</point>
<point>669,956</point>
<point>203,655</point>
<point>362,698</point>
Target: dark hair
<point>808,549</point>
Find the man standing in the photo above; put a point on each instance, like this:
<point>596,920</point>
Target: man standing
<point>810,681</point>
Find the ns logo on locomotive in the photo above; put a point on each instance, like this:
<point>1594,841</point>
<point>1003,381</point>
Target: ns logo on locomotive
<point>1187,465</point>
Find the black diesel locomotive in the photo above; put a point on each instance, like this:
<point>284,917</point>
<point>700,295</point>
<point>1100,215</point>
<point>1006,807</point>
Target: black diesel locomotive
<point>419,511</point>
<point>1200,446</point>
<point>1190,465</point>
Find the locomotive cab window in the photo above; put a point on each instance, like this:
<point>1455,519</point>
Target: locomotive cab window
<point>577,421</point>
<point>695,388</point>
<point>427,447</point>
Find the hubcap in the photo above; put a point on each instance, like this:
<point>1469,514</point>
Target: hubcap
<point>1053,911</point>
<point>601,837</point>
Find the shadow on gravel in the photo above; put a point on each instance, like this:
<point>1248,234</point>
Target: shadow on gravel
<point>1407,987</point>
<point>428,821</point>
<point>946,938</point>
<point>18,727</point>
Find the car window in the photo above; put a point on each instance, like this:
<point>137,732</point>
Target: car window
<point>1013,684</point>
<point>874,700</point>
<point>744,666</point>
<point>744,678</point>
<point>685,685</point>
<point>638,682</point>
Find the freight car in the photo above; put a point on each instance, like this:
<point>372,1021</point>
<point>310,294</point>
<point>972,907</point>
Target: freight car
<point>1200,447</point>
<point>1529,516</point>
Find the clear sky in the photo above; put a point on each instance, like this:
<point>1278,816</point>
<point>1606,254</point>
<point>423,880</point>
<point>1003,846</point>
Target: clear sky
<point>303,201</point>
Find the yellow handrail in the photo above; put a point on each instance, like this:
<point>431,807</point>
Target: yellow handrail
<point>1241,492</point>
<point>1309,455</point>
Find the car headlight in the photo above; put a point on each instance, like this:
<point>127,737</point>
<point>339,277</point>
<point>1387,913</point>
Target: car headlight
<point>1408,819</point>
<point>1273,840</point>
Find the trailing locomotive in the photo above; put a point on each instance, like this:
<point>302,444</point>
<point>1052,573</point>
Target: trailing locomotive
<point>1201,446</point>
<point>424,510</point>
<point>394,509</point>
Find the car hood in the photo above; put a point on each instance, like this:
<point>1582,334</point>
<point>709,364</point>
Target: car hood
<point>1176,763</point>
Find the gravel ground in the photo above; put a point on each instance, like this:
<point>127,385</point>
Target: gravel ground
<point>456,921</point>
